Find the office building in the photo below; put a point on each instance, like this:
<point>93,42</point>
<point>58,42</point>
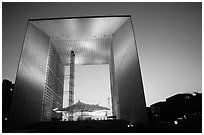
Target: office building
<point>94,40</point>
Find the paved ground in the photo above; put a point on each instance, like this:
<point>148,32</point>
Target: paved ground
<point>107,126</point>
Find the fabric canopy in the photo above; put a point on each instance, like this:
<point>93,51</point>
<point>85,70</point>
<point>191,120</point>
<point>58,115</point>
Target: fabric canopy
<point>82,107</point>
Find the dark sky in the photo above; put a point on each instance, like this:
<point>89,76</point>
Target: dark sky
<point>169,40</point>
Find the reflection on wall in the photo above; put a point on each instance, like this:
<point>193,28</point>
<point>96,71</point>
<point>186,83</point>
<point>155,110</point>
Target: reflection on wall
<point>30,79</point>
<point>128,76</point>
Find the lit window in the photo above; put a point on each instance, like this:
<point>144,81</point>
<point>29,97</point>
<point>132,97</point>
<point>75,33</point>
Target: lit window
<point>130,125</point>
<point>187,97</point>
<point>179,118</point>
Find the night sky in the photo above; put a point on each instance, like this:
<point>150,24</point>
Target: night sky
<point>169,41</point>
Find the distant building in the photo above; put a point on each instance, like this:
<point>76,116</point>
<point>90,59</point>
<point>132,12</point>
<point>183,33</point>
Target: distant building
<point>180,107</point>
<point>159,111</point>
<point>7,94</point>
<point>184,106</point>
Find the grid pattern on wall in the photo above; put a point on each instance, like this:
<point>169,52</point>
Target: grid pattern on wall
<point>89,38</point>
<point>53,92</point>
<point>114,88</point>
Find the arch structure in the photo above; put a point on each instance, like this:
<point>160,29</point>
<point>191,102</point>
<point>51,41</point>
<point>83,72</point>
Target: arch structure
<point>94,40</point>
